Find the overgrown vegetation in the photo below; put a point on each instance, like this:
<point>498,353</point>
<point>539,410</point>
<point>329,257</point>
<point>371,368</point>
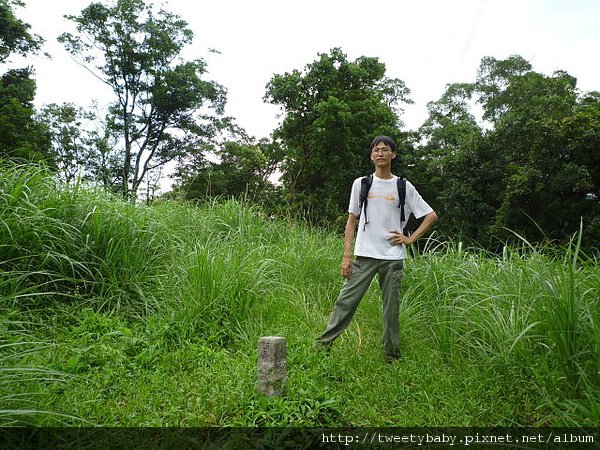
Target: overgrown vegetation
<point>122,315</point>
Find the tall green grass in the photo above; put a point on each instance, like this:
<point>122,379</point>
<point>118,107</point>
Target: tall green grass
<point>78,243</point>
<point>530,313</point>
<point>21,386</point>
<point>156,311</point>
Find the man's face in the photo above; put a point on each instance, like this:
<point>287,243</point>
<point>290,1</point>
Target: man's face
<point>382,155</point>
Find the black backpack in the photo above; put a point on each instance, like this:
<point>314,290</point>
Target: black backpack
<point>365,185</point>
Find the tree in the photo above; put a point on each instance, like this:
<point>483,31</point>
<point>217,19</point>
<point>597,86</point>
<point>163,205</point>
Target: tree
<point>83,145</point>
<point>541,176</point>
<point>243,171</point>
<point>69,141</point>
<point>531,170</point>
<point>332,109</point>
<point>163,109</point>
<point>21,136</point>
<point>449,163</point>
<point>493,77</point>
<point>14,33</point>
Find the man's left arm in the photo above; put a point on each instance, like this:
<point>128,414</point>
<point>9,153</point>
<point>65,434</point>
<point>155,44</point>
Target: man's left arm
<point>398,238</point>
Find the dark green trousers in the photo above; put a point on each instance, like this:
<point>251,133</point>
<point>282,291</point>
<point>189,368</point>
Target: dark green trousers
<point>363,271</point>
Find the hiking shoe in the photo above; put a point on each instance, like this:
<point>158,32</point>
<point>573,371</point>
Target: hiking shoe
<point>389,359</point>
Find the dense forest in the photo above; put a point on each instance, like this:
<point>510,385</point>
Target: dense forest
<point>126,306</point>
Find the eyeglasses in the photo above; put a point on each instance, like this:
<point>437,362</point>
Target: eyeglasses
<point>381,150</point>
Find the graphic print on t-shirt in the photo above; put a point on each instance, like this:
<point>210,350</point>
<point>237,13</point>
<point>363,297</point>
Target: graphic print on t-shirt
<point>389,198</point>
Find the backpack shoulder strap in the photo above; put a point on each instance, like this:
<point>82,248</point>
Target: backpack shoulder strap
<point>365,185</point>
<point>401,184</point>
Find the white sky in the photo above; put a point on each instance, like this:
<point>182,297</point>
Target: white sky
<point>425,43</point>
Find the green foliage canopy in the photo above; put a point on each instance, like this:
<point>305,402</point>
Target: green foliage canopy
<point>243,170</point>
<point>163,110</point>
<point>14,33</point>
<point>528,166</point>
<point>21,136</point>
<point>331,110</point>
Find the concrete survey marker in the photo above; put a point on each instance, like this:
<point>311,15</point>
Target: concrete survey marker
<point>272,365</point>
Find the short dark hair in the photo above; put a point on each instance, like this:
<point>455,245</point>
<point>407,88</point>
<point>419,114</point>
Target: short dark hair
<point>386,140</point>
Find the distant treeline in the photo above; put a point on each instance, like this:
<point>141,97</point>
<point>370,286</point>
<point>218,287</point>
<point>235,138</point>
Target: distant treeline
<point>514,153</point>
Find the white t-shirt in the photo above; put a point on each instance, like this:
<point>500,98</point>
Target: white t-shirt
<point>383,217</point>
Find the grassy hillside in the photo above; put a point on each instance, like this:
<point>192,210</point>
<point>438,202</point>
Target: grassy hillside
<point>121,315</point>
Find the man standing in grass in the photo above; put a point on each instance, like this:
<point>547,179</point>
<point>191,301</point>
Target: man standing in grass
<point>379,247</point>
